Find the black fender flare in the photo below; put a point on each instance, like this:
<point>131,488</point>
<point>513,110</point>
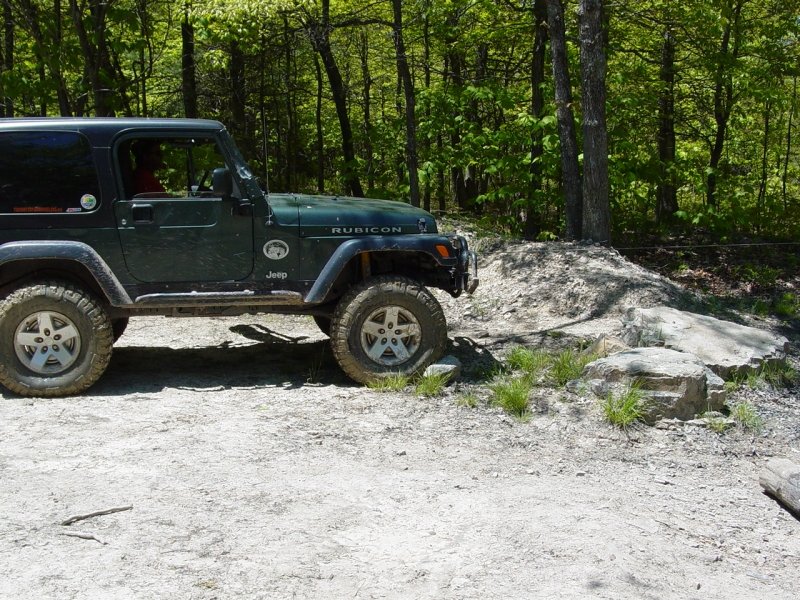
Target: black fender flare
<point>425,244</point>
<point>72,251</point>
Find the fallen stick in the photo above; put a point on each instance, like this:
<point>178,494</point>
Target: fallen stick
<point>780,478</point>
<point>107,511</point>
<point>84,535</point>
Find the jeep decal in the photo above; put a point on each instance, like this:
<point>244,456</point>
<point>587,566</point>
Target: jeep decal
<point>276,249</point>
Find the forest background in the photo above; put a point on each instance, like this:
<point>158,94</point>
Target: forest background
<point>544,119</point>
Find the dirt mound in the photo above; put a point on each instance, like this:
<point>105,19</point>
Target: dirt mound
<point>537,287</point>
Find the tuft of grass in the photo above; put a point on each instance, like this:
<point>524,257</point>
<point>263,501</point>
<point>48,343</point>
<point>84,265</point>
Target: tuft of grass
<point>512,396</point>
<point>431,385</point>
<point>531,362</point>
<point>568,365</point>
<point>389,383</point>
<point>716,423</point>
<point>623,409</point>
<point>747,417</point>
<point>467,400</point>
<point>778,374</point>
<point>787,305</point>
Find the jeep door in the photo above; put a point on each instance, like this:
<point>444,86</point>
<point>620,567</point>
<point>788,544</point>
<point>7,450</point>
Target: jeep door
<point>173,226</point>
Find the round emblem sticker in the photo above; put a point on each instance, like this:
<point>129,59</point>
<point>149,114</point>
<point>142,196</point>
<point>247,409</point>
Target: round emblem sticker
<point>88,202</point>
<point>276,249</point>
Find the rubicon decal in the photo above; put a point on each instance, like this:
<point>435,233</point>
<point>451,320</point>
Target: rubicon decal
<point>351,230</point>
<point>276,249</point>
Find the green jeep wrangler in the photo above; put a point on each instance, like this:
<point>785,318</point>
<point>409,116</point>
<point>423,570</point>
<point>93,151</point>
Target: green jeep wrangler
<point>105,219</point>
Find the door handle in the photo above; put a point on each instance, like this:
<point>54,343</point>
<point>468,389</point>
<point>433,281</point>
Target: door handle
<point>142,213</point>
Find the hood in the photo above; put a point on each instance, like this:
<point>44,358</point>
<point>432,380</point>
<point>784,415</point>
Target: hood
<point>346,216</point>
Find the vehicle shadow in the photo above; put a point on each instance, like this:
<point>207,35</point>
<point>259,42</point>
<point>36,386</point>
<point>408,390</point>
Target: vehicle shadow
<point>274,361</point>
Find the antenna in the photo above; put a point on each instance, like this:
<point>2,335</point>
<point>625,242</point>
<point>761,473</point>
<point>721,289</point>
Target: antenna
<point>266,149</point>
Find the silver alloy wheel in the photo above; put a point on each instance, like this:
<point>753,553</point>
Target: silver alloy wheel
<point>390,335</point>
<point>47,342</point>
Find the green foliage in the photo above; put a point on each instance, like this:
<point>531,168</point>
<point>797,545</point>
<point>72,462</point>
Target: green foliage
<point>568,365</point>
<point>624,408</point>
<point>476,127</point>
<point>431,385</point>
<point>787,305</point>
<point>716,423</point>
<point>531,362</point>
<point>468,400</point>
<point>746,417</point>
<point>511,394</point>
<point>390,383</point>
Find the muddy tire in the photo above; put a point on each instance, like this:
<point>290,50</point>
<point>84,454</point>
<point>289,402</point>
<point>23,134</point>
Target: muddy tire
<point>387,325</point>
<point>55,340</point>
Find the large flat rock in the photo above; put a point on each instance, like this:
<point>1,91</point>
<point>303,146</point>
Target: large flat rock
<point>726,348</point>
<point>675,385</point>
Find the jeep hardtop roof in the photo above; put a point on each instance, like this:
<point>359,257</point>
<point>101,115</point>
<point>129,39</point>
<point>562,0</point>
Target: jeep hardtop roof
<point>107,124</point>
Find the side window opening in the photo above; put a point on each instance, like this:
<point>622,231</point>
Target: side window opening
<point>169,167</point>
<point>47,172</point>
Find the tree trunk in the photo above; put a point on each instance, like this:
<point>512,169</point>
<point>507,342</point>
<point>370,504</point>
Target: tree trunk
<point>188,64</point>
<point>291,113</point>
<point>762,188</point>
<point>363,51</point>
<point>533,220</point>
<point>596,210</point>
<point>320,133</point>
<point>570,173</point>
<point>780,478</point>
<point>238,91</point>
<point>785,176</point>
<point>426,66</point>
<point>410,103</point>
<point>319,34</point>
<point>453,73</point>
<point>94,44</point>
<point>723,100</point>
<point>666,192</point>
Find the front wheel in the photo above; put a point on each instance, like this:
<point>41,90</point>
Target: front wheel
<point>55,340</point>
<point>387,325</point>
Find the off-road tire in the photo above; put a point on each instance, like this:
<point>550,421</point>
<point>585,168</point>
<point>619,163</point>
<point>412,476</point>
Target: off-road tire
<point>87,340</point>
<point>420,330</point>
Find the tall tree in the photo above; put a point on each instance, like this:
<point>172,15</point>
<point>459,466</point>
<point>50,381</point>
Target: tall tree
<point>319,32</point>
<point>596,209</point>
<point>727,55</point>
<point>533,223</point>
<point>666,192</point>
<point>410,103</point>
<point>570,172</point>
<point>7,59</point>
<point>188,63</point>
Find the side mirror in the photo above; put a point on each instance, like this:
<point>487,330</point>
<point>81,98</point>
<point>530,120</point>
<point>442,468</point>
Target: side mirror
<point>222,182</point>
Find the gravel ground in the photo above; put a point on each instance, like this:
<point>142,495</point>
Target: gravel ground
<point>255,469</point>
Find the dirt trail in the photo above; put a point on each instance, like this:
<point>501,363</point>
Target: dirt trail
<point>257,470</point>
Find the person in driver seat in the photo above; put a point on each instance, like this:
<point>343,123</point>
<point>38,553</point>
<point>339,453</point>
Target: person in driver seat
<point>149,159</point>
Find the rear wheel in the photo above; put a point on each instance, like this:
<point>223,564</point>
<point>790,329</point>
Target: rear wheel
<point>387,325</point>
<point>55,340</point>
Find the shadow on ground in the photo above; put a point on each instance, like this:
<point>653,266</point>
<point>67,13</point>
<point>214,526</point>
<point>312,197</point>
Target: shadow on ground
<point>275,360</point>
